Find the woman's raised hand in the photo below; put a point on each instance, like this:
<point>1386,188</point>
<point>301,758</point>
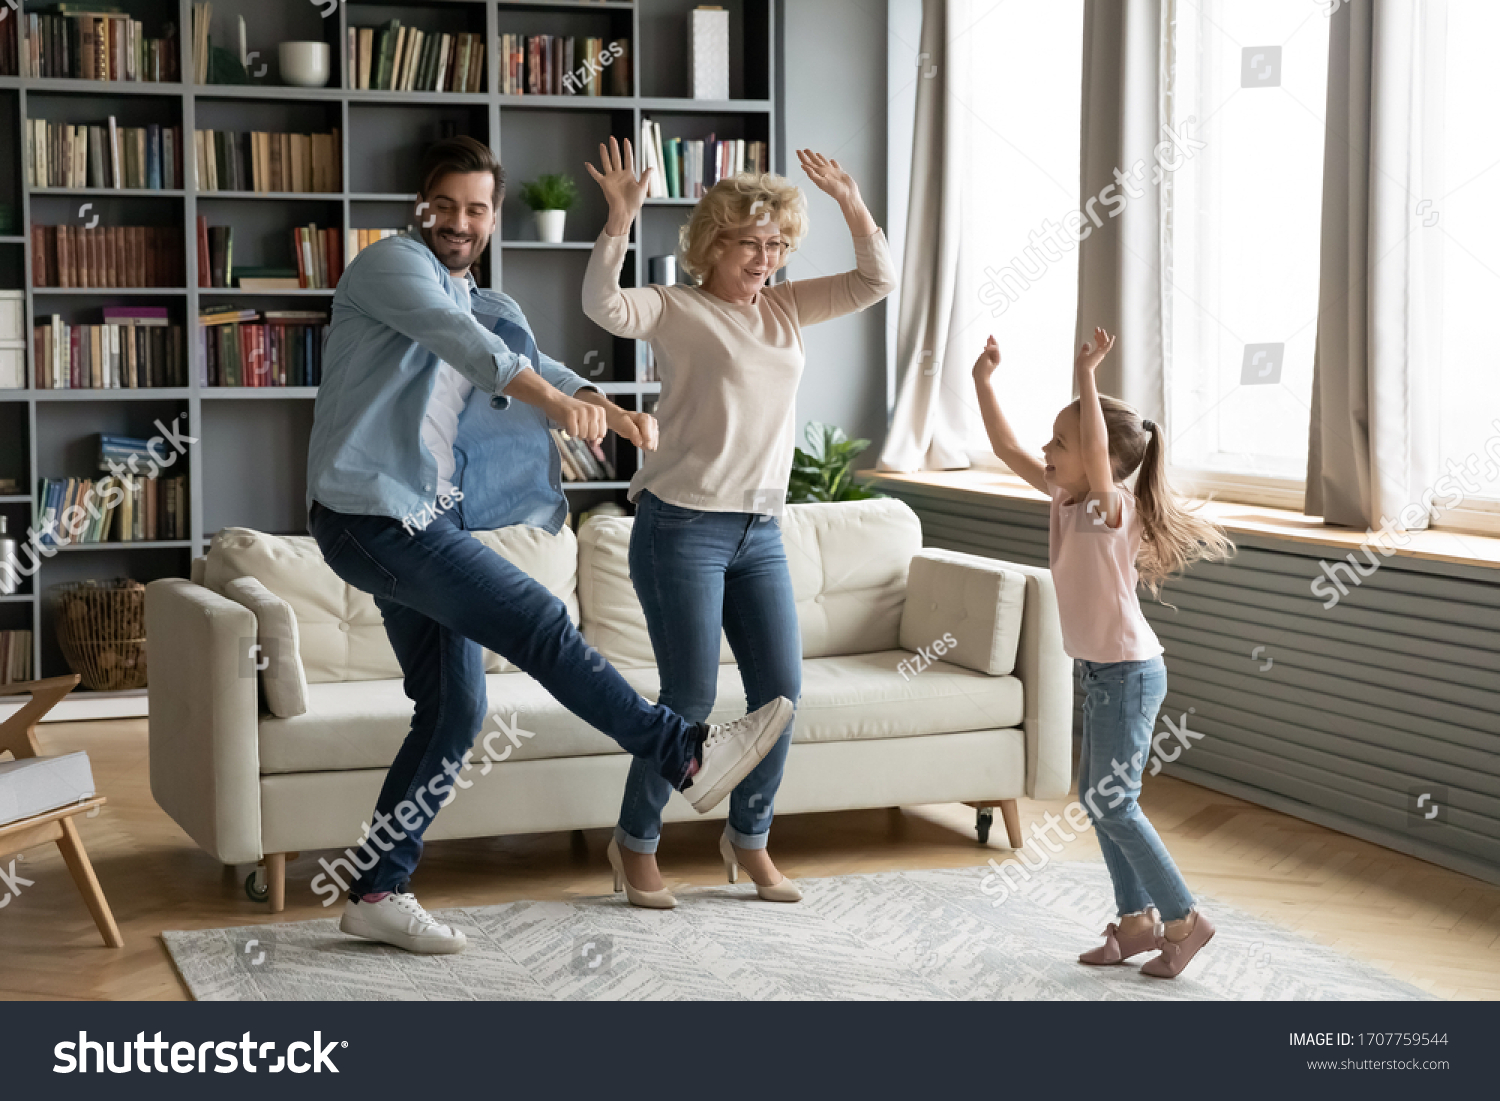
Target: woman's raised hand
<point>828,176</point>
<point>624,191</point>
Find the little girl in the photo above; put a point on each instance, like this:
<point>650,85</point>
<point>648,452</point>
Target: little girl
<point>1103,540</point>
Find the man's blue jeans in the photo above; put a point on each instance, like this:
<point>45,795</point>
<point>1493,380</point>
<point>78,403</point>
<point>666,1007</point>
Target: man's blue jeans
<point>1120,702</point>
<point>695,573</point>
<point>444,595</point>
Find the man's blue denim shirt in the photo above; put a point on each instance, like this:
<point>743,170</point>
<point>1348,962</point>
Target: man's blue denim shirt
<point>396,315</point>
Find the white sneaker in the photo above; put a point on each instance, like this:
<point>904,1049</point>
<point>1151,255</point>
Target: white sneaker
<point>733,749</point>
<point>400,920</point>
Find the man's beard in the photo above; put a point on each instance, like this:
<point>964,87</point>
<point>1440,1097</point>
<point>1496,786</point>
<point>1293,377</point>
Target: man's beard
<point>455,254</point>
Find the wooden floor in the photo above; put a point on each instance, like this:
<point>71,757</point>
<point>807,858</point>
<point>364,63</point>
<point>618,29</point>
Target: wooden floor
<point>1434,928</point>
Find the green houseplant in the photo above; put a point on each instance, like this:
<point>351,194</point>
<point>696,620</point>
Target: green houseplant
<point>825,472</point>
<point>550,197</point>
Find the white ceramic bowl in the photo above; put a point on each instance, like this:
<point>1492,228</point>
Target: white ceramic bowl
<point>305,64</point>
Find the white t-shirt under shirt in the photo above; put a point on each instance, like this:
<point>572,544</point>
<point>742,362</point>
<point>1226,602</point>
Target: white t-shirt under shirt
<point>1093,569</point>
<point>440,421</point>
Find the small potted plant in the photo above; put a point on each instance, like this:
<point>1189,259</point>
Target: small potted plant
<point>550,198</point>
<point>826,471</point>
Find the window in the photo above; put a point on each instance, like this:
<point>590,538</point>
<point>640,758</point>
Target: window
<point>1245,210</point>
<point>1021,182</point>
<point>1467,216</point>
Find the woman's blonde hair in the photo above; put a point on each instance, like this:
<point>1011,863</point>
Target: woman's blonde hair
<point>1172,537</point>
<point>735,202</point>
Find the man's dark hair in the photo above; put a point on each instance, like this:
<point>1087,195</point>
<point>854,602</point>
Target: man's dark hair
<point>460,154</point>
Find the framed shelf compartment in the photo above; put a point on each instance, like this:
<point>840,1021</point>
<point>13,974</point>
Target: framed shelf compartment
<point>246,465</point>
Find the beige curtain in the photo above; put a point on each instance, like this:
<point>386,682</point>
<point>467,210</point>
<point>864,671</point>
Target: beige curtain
<point>1372,440</point>
<point>927,425</point>
<point>1121,264</point>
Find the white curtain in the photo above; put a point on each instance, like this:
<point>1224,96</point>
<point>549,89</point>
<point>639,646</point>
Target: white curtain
<point>1123,261</point>
<point>1372,446</point>
<point>926,431</point>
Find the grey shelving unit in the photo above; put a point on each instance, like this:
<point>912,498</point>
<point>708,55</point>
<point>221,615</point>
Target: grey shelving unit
<point>248,467</point>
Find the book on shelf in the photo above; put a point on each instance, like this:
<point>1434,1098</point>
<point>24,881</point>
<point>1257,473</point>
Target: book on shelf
<point>260,348</point>
<point>117,508</point>
<point>106,256</point>
<point>135,347</point>
<point>10,60</point>
<point>392,57</point>
<point>103,155</point>
<point>357,240</point>
<point>215,254</point>
<point>563,65</point>
<point>89,41</point>
<point>686,168</point>
<point>263,161</point>
<point>15,651</point>
<point>581,461</point>
<point>319,259</point>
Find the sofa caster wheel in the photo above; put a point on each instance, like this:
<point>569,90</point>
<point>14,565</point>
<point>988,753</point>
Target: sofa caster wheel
<point>984,817</point>
<point>256,886</point>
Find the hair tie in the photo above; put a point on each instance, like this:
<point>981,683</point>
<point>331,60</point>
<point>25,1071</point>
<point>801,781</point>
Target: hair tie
<point>1147,425</point>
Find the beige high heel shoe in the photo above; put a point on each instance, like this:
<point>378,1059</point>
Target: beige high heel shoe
<point>784,891</point>
<point>650,900</point>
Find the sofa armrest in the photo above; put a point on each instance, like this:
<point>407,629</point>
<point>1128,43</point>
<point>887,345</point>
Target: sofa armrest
<point>964,609</point>
<point>1046,673</point>
<point>205,756</point>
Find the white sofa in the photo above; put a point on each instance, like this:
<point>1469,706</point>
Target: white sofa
<point>263,752</point>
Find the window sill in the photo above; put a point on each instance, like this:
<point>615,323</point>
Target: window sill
<point>1459,548</point>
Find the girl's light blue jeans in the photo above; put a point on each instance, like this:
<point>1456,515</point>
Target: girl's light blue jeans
<point>1120,702</point>
<point>697,572</point>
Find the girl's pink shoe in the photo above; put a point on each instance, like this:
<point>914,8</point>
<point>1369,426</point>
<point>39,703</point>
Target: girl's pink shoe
<point>1177,954</point>
<point>1119,947</point>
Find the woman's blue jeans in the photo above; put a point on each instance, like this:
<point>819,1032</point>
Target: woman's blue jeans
<point>444,595</point>
<point>1120,702</point>
<point>697,572</point>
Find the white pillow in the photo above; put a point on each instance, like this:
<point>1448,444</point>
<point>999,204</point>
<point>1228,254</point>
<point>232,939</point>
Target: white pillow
<point>274,655</point>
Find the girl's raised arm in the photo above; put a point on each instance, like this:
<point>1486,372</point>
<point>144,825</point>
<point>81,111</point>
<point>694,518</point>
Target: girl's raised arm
<point>1002,440</point>
<point>1092,434</point>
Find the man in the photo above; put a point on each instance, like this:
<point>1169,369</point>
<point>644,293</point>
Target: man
<point>420,368</point>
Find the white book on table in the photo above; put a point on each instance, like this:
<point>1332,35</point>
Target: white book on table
<point>35,785</point>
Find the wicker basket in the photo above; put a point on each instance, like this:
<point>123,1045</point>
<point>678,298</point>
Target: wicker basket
<point>101,627</point>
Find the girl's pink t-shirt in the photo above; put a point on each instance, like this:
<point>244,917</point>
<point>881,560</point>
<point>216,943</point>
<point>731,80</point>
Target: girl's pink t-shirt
<point>1093,568</point>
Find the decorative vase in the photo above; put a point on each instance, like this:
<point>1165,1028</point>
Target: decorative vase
<point>549,225</point>
<point>305,64</point>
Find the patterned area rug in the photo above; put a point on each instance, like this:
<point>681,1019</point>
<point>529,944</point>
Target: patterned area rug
<point>893,936</point>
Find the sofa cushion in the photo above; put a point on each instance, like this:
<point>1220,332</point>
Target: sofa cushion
<point>848,563</point>
<point>849,697</point>
<point>964,609</point>
<point>342,633</point>
<point>275,656</point>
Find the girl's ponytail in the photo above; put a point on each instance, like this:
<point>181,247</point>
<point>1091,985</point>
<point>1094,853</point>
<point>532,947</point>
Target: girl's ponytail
<point>1172,537</point>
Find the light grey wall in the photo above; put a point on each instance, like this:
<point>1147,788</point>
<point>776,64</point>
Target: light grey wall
<point>834,86</point>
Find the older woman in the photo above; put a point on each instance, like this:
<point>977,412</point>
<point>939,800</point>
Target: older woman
<point>706,550</point>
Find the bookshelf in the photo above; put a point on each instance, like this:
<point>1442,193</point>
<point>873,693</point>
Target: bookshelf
<point>249,464</point>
